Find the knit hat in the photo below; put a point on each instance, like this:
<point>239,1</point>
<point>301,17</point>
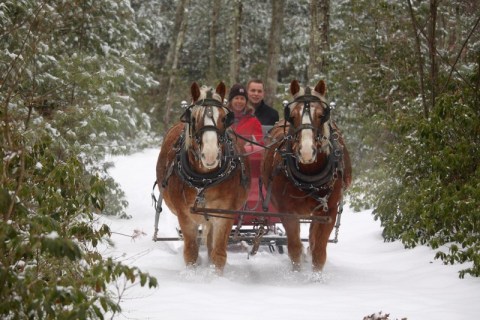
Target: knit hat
<point>237,90</point>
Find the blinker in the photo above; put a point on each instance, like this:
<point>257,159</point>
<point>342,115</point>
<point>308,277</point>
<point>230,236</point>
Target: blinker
<point>186,116</point>
<point>229,119</point>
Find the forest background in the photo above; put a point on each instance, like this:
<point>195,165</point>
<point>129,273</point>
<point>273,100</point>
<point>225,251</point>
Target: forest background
<point>81,79</point>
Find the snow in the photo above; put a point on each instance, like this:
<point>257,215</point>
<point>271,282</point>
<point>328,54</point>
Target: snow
<point>106,108</point>
<point>363,274</point>
<point>52,235</point>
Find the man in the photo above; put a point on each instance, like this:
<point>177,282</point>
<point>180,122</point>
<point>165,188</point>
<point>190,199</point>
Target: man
<point>266,114</point>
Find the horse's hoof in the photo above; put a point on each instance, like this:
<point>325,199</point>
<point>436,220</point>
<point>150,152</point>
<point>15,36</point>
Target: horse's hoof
<point>296,266</point>
<point>318,276</point>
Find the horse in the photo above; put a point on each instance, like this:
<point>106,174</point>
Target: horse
<point>200,166</point>
<point>306,171</point>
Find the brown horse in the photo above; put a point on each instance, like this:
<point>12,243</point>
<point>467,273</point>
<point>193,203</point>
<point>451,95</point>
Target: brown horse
<point>199,166</point>
<point>307,170</point>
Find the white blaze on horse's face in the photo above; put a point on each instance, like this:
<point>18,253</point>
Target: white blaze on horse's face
<point>210,151</point>
<point>307,149</point>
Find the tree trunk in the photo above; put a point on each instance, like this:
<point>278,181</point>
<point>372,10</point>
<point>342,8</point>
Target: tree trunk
<point>324,36</point>
<point>236,38</point>
<point>433,50</point>
<point>319,46</point>
<point>461,51</point>
<point>420,60</point>
<point>212,48</point>
<point>314,64</point>
<point>477,84</point>
<point>171,62</point>
<point>274,46</point>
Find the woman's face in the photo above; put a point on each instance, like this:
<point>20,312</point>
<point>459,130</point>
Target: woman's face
<point>238,103</point>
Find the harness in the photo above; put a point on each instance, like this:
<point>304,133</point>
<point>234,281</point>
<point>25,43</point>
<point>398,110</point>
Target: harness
<point>208,103</point>
<point>230,160</point>
<point>196,180</point>
<point>306,99</point>
<point>320,185</point>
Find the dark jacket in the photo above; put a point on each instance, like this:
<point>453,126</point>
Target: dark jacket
<point>266,114</point>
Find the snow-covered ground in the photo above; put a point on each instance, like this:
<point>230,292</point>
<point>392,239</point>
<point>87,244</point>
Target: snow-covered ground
<point>363,274</point>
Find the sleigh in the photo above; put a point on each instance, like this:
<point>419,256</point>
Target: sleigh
<point>259,223</point>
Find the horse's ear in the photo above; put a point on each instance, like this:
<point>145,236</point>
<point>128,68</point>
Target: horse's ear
<point>294,87</point>
<point>221,89</point>
<point>195,91</point>
<point>321,87</point>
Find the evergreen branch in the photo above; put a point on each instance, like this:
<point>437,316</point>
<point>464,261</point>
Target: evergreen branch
<point>460,52</point>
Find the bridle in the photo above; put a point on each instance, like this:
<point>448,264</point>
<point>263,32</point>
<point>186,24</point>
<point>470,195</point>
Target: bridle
<point>320,184</point>
<point>208,104</point>
<point>306,99</point>
<point>181,164</point>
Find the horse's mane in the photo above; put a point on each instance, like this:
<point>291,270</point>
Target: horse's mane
<point>197,111</point>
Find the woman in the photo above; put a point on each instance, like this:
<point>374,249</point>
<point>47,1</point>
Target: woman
<point>245,124</point>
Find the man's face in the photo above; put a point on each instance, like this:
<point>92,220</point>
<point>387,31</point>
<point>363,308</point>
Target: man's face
<point>255,92</point>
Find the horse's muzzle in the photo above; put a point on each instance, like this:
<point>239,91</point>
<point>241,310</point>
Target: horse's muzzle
<point>307,156</point>
<point>210,163</point>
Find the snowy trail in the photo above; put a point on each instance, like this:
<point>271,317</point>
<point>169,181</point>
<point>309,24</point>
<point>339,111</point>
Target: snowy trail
<point>363,275</point>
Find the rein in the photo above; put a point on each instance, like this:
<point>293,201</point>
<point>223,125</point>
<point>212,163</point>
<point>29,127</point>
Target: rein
<point>230,159</point>
<point>208,103</point>
<point>320,180</point>
<point>306,99</point>
<point>202,181</point>
<point>323,180</point>
<point>267,147</point>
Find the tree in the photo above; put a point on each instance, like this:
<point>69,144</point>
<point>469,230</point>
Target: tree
<point>432,36</point>
<point>212,48</point>
<point>68,82</point>
<point>319,46</point>
<point>325,26</point>
<point>420,59</point>
<point>274,46</point>
<point>236,41</point>
<point>420,183</point>
<point>314,47</point>
<point>171,63</point>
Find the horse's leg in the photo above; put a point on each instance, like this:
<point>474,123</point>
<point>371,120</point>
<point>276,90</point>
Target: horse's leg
<point>294,243</point>
<point>221,229</point>
<point>208,237</point>
<point>190,241</point>
<point>319,236</point>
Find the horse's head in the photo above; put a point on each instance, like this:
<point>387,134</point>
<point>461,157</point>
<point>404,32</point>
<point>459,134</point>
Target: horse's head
<point>206,122</point>
<point>308,115</point>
